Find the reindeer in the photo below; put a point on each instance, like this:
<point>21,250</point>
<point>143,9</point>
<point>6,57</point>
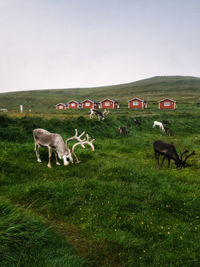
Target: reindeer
<point>168,151</point>
<point>123,131</point>
<point>168,131</point>
<point>54,141</point>
<point>96,112</point>
<point>137,122</point>
<point>159,124</point>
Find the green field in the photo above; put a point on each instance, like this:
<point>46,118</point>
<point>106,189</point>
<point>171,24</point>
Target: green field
<point>115,208</point>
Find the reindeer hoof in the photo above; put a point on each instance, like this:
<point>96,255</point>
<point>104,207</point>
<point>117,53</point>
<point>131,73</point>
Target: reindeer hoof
<point>57,163</point>
<point>49,166</point>
<point>39,160</point>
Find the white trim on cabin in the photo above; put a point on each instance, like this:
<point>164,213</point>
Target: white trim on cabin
<point>167,99</point>
<point>109,100</point>
<point>137,99</point>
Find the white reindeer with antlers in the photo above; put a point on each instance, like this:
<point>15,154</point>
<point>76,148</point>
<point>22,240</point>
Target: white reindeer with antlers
<point>54,141</point>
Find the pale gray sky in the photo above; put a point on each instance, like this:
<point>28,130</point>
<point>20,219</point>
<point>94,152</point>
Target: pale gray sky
<point>85,43</point>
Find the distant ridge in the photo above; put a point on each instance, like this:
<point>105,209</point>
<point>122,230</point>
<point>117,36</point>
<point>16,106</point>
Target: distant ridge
<point>142,82</point>
<point>180,88</point>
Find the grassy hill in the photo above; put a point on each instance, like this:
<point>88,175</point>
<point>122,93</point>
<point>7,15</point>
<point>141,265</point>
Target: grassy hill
<point>115,208</point>
<point>184,89</point>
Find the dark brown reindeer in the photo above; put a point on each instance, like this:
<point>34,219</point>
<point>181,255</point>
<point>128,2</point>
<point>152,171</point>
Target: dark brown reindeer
<point>168,151</point>
<point>168,131</point>
<point>123,131</point>
<point>137,122</point>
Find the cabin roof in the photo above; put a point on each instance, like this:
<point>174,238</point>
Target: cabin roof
<point>167,99</point>
<point>61,104</point>
<point>91,100</point>
<point>74,101</point>
<point>137,99</point>
<point>112,100</point>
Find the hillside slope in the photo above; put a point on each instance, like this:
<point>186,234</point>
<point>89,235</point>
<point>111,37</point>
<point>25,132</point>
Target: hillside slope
<point>181,88</point>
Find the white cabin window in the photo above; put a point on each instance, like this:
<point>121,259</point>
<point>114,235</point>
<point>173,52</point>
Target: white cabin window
<point>107,104</point>
<point>135,103</point>
<point>73,104</point>
<point>61,107</point>
<point>87,104</point>
<point>166,104</point>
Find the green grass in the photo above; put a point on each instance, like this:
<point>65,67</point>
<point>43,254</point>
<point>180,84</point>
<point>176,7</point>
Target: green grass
<point>114,208</point>
<point>26,240</point>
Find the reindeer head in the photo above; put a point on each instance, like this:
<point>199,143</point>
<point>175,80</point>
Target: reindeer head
<point>69,156</point>
<point>66,156</point>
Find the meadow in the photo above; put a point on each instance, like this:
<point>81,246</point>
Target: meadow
<point>115,208</point>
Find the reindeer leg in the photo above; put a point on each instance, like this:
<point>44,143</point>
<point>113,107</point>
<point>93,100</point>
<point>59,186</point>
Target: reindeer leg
<point>157,160</point>
<point>57,162</point>
<point>37,149</point>
<point>162,161</point>
<point>168,162</point>
<point>50,153</point>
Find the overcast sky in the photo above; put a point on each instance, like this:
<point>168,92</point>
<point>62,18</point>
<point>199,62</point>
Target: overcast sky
<point>85,43</point>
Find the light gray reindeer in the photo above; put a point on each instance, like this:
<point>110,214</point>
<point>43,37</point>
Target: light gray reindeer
<point>54,141</point>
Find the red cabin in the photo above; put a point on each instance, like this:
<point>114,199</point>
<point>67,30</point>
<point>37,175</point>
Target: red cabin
<point>89,104</point>
<point>167,104</point>
<point>61,106</point>
<point>73,104</point>
<point>109,103</point>
<point>137,103</point>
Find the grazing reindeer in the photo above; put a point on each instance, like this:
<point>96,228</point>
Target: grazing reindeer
<point>123,131</point>
<point>159,124</point>
<point>168,151</point>
<point>137,122</point>
<point>96,112</point>
<point>168,131</point>
<point>54,141</point>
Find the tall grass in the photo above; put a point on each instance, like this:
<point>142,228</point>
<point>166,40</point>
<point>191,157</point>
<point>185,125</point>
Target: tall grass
<point>115,207</point>
<point>25,240</point>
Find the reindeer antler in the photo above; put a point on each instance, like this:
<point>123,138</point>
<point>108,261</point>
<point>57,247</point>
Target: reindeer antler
<point>85,141</point>
<point>76,137</point>
<point>192,153</point>
<point>185,152</point>
<point>106,112</point>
